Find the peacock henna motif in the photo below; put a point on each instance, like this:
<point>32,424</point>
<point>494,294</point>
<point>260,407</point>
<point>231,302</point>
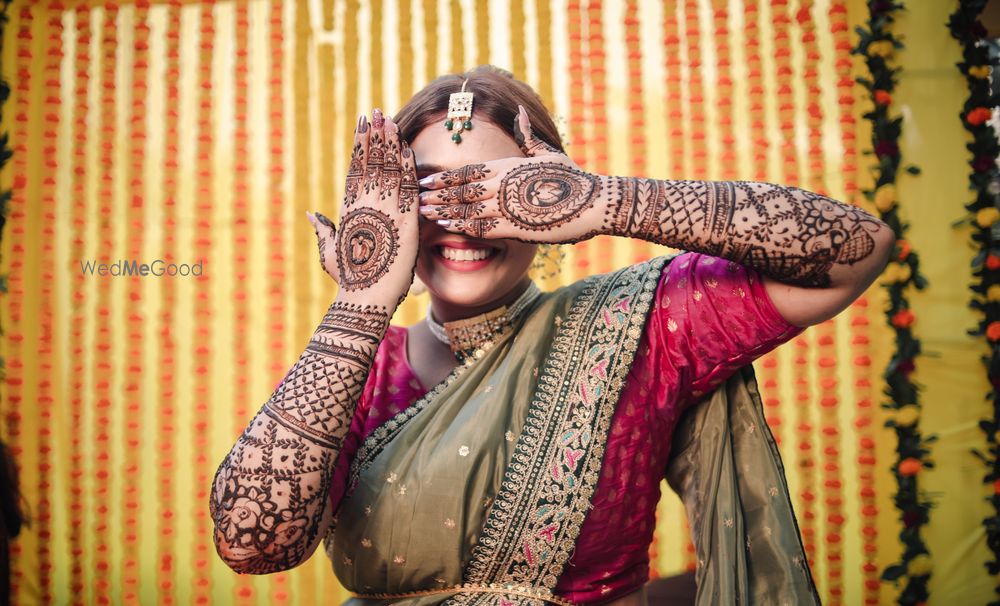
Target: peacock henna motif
<point>367,244</point>
<point>788,233</point>
<point>547,195</point>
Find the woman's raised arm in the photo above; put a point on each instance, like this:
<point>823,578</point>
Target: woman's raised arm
<point>270,498</point>
<point>817,254</point>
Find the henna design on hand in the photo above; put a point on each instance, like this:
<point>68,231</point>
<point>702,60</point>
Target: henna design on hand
<point>465,174</point>
<point>477,228</point>
<point>409,188</point>
<point>355,175</point>
<point>545,196</point>
<point>270,493</point>
<point>461,211</point>
<point>788,233</point>
<point>461,194</point>
<point>367,243</point>
<point>392,171</point>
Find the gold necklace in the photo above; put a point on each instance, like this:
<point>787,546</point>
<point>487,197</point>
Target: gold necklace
<point>470,338</point>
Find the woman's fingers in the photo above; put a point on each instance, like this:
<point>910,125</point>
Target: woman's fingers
<point>376,153</point>
<point>408,188</point>
<point>479,209</point>
<point>459,176</point>
<point>477,228</point>
<point>460,194</point>
<point>326,233</point>
<point>359,158</point>
<point>526,140</point>
<point>392,163</point>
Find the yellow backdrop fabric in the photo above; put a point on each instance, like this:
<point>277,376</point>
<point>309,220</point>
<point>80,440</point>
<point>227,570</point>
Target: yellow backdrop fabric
<point>200,132</point>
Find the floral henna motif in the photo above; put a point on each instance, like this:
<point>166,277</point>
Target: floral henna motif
<point>409,189</point>
<point>392,171</point>
<point>461,194</point>
<point>355,175</point>
<point>465,174</point>
<point>367,244</point>
<point>375,163</point>
<point>461,211</point>
<point>270,493</point>
<point>788,233</point>
<point>545,196</point>
<point>477,228</point>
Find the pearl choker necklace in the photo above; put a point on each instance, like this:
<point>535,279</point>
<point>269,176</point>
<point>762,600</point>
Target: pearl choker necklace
<point>472,337</point>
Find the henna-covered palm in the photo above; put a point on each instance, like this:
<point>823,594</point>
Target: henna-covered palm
<point>543,197</point>
<point>373,254</point>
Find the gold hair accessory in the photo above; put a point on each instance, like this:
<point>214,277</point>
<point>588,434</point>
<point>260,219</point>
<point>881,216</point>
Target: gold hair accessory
<point>460,111</point>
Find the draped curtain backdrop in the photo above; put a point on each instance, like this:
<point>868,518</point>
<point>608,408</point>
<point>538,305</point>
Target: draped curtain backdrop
<point>200,132</point>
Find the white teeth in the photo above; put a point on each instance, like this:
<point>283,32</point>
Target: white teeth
<point>465,254</point>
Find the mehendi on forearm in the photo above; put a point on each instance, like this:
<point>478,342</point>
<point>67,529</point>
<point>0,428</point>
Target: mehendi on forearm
<point>787,233</point>
<point>270,492</point>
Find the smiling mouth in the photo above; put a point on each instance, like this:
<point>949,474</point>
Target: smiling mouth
<point>466,255</point>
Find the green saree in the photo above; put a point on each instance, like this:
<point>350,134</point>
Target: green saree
<point>477,492</point>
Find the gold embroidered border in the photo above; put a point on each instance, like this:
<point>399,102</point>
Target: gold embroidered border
<point>476,590</point>
<point>534,521</point>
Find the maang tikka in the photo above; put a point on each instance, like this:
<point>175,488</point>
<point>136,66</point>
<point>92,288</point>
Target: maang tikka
<point>459,113</point>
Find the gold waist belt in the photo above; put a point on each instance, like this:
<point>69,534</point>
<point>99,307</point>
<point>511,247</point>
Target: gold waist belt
<point>525,591</point>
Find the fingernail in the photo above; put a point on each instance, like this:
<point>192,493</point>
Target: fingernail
<point>323,219</point>
<point>361,121</point>
<point>443,222</point>
<point>426,181</point>
<point>377,118</point>
<point>364,123</point>
<point>425,209</point>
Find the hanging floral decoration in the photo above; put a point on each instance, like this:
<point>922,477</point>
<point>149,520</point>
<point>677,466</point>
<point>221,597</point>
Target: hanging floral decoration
<point>877,45</point>
<point>979,59</point>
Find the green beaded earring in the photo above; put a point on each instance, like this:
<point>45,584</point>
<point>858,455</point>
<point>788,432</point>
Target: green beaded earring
<point>459,114</point>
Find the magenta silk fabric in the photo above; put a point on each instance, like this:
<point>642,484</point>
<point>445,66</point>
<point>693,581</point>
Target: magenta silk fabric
<point>710,317</point>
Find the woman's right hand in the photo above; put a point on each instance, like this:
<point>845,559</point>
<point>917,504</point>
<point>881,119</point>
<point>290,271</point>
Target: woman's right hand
<point>373,254</point>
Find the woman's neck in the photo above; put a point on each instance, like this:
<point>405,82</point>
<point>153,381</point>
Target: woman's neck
<point>448,312</point>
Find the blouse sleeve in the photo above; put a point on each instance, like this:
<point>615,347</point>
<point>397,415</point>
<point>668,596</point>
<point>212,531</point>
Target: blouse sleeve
<point>710,317</point>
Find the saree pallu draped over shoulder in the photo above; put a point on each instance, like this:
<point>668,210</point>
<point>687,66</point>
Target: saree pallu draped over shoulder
<point>476,493</point>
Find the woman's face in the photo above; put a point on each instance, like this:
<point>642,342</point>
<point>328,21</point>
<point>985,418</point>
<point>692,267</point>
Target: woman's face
<point>466,276</point>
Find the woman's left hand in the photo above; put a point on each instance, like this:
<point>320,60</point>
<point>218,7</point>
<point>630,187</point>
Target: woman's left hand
<point>543,197</point>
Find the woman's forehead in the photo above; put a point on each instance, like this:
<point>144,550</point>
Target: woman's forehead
<point>434,149</point>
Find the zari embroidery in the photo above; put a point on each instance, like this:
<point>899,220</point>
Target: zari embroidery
<point>531,530</point>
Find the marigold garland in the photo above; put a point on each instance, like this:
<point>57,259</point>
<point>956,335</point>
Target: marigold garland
<point>167,362</point>
<point>984,181</point>
<point>78,165</point>
<point>104,366</point>
<point>877,45</point>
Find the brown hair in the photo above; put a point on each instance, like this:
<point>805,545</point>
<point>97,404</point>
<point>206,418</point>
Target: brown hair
<point>497,95</point>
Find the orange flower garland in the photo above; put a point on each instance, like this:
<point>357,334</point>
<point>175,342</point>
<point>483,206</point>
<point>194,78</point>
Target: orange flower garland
<point>276,265</point>
<point>80,212</point>
<point>696,94</point>
<point>202,358</point>
<point>103,372</point>
<point>597,118</point>
<point>804,442</point>
<point>167,362</point>
<point>577,120</point>
<point>637,140</point>
<point>244,588</point>
<point>133,375</point>
<point>49,127</point>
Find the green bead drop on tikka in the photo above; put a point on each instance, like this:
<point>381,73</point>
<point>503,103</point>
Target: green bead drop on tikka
<point>448,124</point>
<point>456,137</point>
<point>467,124</point>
